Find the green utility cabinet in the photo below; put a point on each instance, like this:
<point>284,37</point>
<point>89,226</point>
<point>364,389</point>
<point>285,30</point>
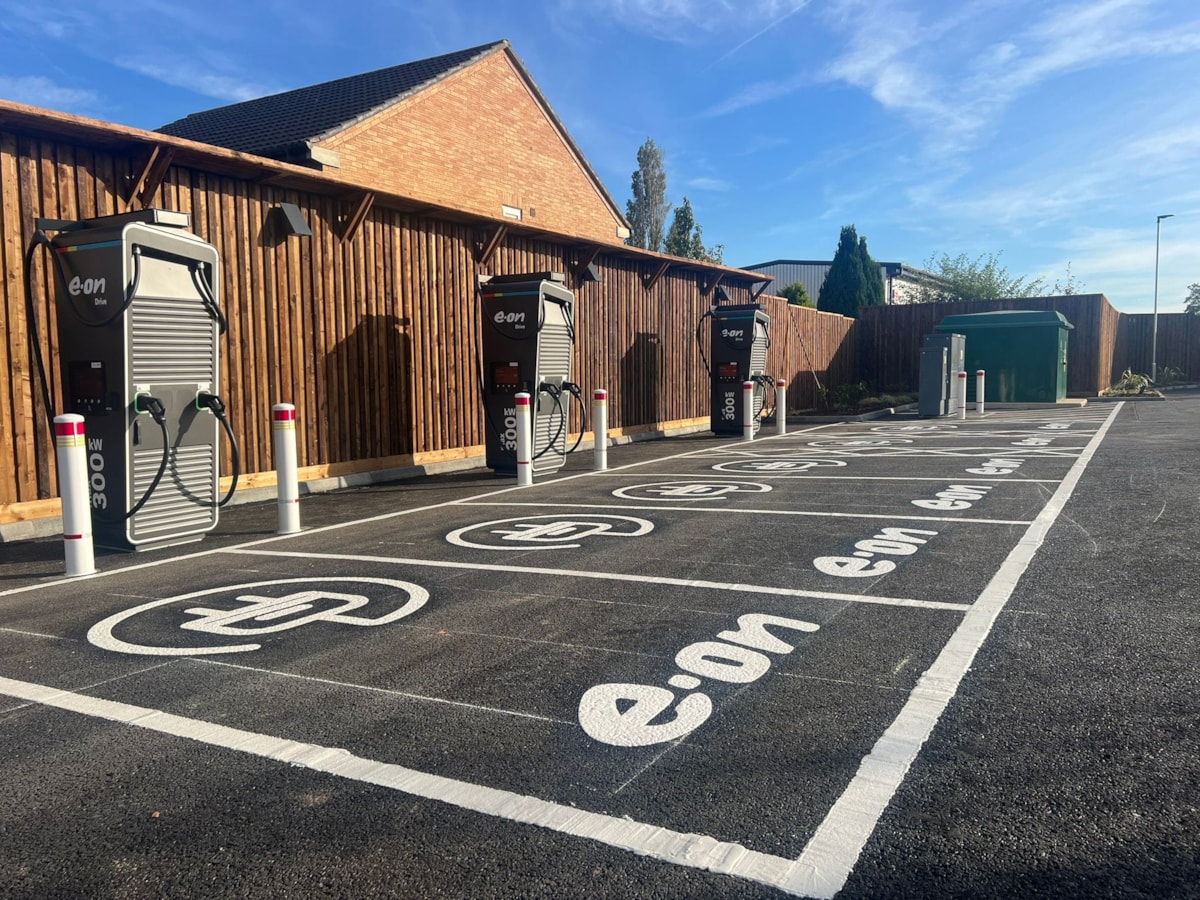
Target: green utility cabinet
<point>1023,353</point>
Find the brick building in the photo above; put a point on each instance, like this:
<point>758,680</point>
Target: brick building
<point>468,130</point>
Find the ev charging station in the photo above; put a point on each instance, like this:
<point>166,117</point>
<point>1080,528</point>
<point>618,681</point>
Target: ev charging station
<point>741,335</point>
<point>528,339</point>
<point>138,327</point>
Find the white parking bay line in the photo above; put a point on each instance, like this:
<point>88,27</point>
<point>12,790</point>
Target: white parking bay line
<point>756,512</point>
<point>830,856</point>
<point>615,576</point>
<point>693,850</point>
<point>760,476</point>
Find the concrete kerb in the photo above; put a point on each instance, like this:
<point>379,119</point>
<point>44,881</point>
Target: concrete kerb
<point>50,526</point>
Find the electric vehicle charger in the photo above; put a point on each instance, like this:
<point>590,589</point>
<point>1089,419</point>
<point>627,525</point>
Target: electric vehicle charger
<point>527,345</point>
<point>153,350</point>
<point>740,338</point>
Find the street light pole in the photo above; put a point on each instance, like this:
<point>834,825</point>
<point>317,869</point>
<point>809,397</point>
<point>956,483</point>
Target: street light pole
<point>1154,334</point>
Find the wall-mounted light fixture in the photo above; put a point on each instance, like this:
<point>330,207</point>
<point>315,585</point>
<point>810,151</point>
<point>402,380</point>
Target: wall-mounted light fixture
<point>292,220</point>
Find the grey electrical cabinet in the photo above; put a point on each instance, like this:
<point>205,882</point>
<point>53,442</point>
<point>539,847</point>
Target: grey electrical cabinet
<point>942,358</point>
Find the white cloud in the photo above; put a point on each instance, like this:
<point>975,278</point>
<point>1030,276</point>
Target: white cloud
<point>35,90</point>
<point>709,184</point>
<point>196,76</point>
<point>953,80</point>
<point>756,94</point>
<point>685,21</point>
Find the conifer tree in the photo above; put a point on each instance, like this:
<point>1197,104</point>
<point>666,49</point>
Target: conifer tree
<point>872,278</point>
<point>843,284</point>
<point>648,208</point>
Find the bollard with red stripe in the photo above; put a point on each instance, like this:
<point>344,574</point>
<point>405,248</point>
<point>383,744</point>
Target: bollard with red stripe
<point>600,428</point>
<point>71,455</point>
<point>287,478</point>
<point>961,395</point>
<point>781,406</point>
<point>747,410</point>
<point>979,379</point>
<point>524,441</point>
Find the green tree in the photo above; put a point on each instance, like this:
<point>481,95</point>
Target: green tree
<point>686,238</point>
<point>872,277</point>
<point>1192,304</point>
<point>679,237</point>
<point>847,285</point>
<point>796,295</point>
<point>982,278</point>
<point>647,209</point>
<point>1067,288</point>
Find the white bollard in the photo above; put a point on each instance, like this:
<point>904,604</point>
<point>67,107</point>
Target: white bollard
<point>747,410</point>
<point>781,406</point>
<point>71,455</point>
<point>600,427</point>
<point>524,441</point>
<point>287,478</point>
<point>962,395</point>
<point>979,390</point>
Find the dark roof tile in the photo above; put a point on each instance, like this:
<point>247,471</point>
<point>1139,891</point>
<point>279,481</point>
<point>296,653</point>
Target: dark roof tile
<point>267,126</point>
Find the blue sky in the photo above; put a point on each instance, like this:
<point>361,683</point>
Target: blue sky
<point>1051,133</point>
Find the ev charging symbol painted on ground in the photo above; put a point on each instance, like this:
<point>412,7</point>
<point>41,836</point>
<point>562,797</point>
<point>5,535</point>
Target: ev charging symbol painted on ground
<point>263,608</point>
<point>554,532</point>
<point>859,442</point>
<point>774,466</point>
<point>689,490</point>
<point>899,429</point>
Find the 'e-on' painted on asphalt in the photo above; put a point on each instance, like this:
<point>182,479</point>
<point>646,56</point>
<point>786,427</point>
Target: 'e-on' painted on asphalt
<point>607,717</point>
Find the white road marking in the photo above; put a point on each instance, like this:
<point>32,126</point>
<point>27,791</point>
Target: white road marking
<point>693,850</point>
<point>614,576</point>
<point>826,863</point>
<point>377,690</point>
<point>767,477</point>
<point>757,512</point>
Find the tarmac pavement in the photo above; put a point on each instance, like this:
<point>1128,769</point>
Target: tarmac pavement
<point>892,658</point>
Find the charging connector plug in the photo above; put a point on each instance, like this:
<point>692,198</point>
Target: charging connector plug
<point>144,404</point>
<point>211,402</point>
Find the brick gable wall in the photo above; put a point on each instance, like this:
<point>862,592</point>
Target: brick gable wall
<point>478,141</point>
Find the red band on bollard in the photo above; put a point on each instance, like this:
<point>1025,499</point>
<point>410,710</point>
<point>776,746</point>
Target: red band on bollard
<point>283,415</point>
<point>599,395</point>
<point>522,401</point>
<point>67,429</point>
<point>72,537</point>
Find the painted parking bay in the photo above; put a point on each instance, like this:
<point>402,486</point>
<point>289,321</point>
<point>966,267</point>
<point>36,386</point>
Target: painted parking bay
<point>485,685</point>
<point>897,641</point>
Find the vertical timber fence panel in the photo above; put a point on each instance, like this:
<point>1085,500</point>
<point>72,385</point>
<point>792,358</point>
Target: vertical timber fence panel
<point>890,337</point>
<point>372,336</point>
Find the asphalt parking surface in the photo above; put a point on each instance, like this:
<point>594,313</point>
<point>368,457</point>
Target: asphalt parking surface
<point>893,658</point>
